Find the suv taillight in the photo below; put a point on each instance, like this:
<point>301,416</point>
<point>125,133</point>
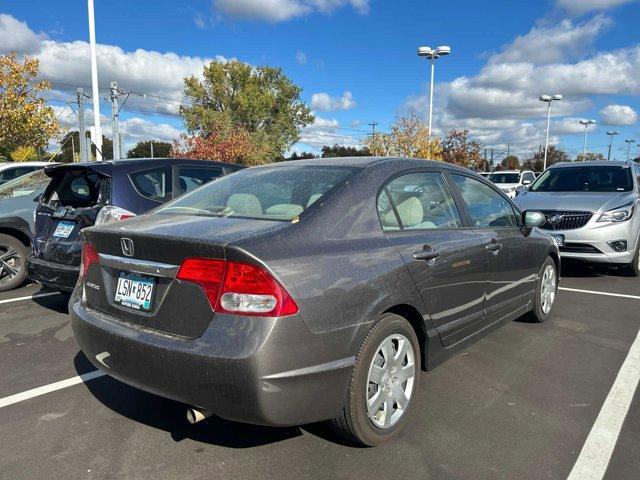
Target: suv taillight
<point>238,288</point>
<point>112,213</point>
<point>89,257</point>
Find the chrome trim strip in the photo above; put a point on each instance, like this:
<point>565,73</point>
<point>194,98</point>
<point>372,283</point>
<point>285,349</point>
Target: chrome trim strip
<point>139,266</point>
<point>323,367</point>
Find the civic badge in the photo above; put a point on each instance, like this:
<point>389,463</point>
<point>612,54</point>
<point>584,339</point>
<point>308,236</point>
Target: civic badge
<point>127,247</point>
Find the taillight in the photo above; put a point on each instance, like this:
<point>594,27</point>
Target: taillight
<point>238,288</point>
<point>89,257</point>
<point>112,213</point>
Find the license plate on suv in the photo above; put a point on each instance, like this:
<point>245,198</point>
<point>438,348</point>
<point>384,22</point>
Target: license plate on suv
<point>559,239</point>
<point>63,229</point>
<point>135,291</point>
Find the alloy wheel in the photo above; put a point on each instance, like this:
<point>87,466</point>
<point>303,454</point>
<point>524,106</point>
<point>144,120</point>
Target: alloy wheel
<point>10,263</point>
<point>390,381</point>
<point>548,289</point>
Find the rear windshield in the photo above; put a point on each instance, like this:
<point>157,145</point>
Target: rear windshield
<point>76,189</point>
<point>25,185</point>
<point>505,177</point>
<point>276,193</point>
<point>585,179</point>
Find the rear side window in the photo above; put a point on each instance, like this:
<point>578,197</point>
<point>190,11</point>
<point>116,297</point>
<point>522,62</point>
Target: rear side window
<point>194,177</point>
<point>154,183</point>
<point>11,173</point>
<point>528,176</point>
<point>487,208</point>
<point>76,189</point>
<point>422,201</point>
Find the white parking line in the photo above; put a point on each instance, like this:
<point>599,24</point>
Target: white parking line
<point>30,297</point>
<point>595,455</point>
<point>52,387</point>
<point>595,292</point>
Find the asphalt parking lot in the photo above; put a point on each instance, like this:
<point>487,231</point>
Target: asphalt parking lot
<point>519,404</point>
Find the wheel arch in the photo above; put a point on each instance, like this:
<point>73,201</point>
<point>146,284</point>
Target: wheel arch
<point>414,317</point>
<point>16,233</point>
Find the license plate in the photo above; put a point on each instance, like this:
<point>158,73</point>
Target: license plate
<point>135,291</point>
<point>63,229</point>
<point>559,239</point>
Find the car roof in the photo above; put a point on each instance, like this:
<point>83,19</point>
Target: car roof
<point>107,165</point>
<point>593,163</point>
<point>4,165</point>
<point>364,162</point>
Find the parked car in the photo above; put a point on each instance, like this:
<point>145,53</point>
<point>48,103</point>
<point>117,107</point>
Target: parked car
<point>591,210</point>
<point>511,181</point>
<point>310,290</point>
<point>81,195</point>
<point>17,205</point>
<point>12,170</point>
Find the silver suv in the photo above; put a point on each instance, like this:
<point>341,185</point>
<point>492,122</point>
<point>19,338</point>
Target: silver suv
<point>591,210</point>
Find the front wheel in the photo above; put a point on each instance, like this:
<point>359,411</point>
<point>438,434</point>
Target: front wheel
<point>546,291</point>
<point>633,268</point>
<point>383,383</point>
<point>13,254</point>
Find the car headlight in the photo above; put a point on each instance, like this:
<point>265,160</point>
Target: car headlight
<point>619,214</point>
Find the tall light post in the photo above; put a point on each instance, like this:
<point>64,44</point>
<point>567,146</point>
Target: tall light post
<point>629,142</point>
<point>548,99</point>
<point>586,124</point>
<point>94,82</point>
<point>432,54</point>
<point>611,134</point>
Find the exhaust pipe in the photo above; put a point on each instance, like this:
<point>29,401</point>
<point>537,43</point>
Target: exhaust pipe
<point>195,414</point>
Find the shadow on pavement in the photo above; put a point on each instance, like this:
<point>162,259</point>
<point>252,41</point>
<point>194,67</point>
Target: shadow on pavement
<point>58,303</point>
<point>578,269</point>
<point>168,415</point>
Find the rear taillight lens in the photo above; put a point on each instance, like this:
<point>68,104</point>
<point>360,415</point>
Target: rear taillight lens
<point>112,213</point>
<point>238,288</point>
<point>89,257</point>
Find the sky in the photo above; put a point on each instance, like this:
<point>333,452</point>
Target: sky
<point>356,63</point>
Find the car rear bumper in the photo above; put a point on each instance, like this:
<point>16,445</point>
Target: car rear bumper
<point>268,371</point>
<point>52,274</point>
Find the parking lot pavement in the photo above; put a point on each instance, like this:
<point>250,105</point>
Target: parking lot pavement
<point>518,404</point>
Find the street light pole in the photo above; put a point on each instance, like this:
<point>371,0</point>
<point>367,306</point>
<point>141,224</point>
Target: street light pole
<point>94,82</point>
<point>432,54</point>
<point>586,124</point>
<point>629,142</point>
<point>548,99</point>
<point>611,134</point>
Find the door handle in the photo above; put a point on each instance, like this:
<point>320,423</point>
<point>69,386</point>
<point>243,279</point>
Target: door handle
<point>494,246</point>
<point>426,255</point>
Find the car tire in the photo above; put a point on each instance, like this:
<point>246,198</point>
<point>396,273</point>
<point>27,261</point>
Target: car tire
<point>373,377</point>
<point>633,268</point>
<point>545,292</point>
<point>8,245</point>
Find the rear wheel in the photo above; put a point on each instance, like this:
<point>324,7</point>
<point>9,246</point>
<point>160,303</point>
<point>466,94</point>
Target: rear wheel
<point>13,254</point>
<point>546,290</point>
<point>383,383</point>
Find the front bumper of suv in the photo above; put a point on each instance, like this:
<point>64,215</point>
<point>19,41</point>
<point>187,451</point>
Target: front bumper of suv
<point>52,274</point>
<point>592,242</point>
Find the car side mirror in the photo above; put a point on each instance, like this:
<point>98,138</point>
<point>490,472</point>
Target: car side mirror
<point>534,219</point>
<point>36,198</point>
<point>526,182</point>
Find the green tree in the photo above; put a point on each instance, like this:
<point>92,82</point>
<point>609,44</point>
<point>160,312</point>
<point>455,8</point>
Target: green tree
<point>301,156</point>
<point>66,154</point>
<point>409,137</point>
<point>234,98</point>
<point>143,150</point>
<point>342,151</point>
<point>460,149</point>
<point>535,161</point>
<point>510,162</point>
<point>589,156</point>
<point>25,119</point>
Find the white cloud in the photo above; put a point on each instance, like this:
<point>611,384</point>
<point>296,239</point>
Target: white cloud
<point>618,115</point>
<point>301,57</point>
<point>325,131</point>
<point>579,7</point>
<point>199,20</point>
<point>17,36</point>
<point>325,102</point>
<point>282,10</point>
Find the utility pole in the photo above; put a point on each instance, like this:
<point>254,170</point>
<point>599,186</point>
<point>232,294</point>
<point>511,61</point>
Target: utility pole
<point>151,145</point>
<point>73,148</point>
<point>115,120</point>
<point>373,126</point>
<point>82,131</point>
<point>508,149</point>
<point>491,168</point>
<point>94,82</point>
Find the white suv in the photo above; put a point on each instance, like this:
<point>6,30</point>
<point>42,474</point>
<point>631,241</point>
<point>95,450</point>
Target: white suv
<point>509,180</point>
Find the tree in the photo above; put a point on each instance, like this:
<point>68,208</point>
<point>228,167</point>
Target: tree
<point>301,156</point>
<point>107,148</point>
<point>65,155</point>
<point>535,161</point>
<point>585,157</point>
<point>234,101</point>
<point>231,147</point>
<point>342,151</point>
<point>24,154</point>
<point>510,162</point>
<point>409,137</point>
<point>25,119</point>
<point>143,150</point>
<point>459,149</point>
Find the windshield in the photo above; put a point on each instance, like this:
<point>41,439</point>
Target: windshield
<point>276,193</point>
<point>505,177</point>
<point>24,185</point>
<point>585,179</point>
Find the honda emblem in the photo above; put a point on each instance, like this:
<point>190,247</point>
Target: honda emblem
<point>127,247</point>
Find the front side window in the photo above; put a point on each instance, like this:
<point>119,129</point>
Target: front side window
<point>15,172</point>
<point>487,208</point>
<point>274,193</point>
<point>528,177</point>
<point>612,178</point>
<point>25,185</point>
<point>154,184</point>
<point>422,201</point>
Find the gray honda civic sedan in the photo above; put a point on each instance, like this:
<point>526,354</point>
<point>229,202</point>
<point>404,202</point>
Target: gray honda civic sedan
<point>310,290</point>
